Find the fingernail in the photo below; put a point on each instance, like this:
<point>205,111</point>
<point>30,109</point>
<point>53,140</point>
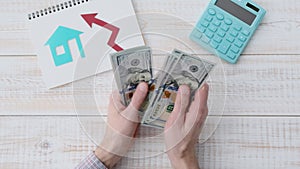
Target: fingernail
<point>143,87</point>
<point>204,87</point>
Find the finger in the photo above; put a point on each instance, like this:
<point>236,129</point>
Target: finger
<point>131,112</point>
<point>181,106</point>
<point>139,96</point>
<point>198,109</point>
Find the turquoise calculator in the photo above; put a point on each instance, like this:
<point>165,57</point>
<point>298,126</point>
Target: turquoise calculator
<point>226,27</point>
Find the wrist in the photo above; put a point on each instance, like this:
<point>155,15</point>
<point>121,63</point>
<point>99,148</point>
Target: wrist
<point>107,158</point>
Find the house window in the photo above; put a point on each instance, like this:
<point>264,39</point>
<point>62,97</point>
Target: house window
<point>60,50</point>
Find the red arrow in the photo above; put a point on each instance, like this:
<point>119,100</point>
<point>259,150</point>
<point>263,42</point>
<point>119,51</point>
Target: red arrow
<point>91,19</point>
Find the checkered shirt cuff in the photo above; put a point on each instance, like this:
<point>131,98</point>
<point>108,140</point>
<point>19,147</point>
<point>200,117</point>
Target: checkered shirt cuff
<point>91,162</point>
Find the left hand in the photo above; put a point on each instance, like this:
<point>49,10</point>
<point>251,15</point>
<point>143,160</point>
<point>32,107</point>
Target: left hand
<point>122,125</point>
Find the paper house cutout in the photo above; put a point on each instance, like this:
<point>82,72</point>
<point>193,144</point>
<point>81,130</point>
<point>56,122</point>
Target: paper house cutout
<point>60,40</point>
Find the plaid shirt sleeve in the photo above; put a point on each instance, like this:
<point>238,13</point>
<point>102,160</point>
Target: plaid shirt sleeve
<point>91,162</point>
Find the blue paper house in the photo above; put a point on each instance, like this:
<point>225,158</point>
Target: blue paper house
<point>60,40</point>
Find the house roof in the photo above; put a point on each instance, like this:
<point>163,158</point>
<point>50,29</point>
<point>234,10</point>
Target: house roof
<point>61,35</point>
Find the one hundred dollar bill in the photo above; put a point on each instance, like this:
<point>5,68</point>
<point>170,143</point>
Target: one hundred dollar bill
<point>157,87</point>
<point>132,67</point>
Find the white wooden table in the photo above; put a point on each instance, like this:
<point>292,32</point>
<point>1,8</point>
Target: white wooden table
<point>261,121</point>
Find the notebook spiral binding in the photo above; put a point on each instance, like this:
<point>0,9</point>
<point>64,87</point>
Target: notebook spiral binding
<point>56,8</point>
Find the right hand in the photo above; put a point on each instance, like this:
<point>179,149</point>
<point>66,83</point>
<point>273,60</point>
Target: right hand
<point>183,127</point>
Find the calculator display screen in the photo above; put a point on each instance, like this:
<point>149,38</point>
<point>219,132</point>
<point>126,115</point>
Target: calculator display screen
<point>236,10</point>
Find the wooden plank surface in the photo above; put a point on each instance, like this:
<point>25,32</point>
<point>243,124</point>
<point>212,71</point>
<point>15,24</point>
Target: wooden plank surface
<point>278,33</point>
<point>267,87</point>
<point>59,142</point>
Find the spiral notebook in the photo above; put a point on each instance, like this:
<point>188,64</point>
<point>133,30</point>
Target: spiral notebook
<point>73,39</point>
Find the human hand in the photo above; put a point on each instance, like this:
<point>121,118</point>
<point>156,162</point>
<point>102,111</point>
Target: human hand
<point>183,127</point>
<point>121,127</point>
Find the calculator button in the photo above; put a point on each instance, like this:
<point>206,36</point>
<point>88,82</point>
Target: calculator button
<point>211,11</point>
<point>235,49</point>
<point>224,47</point>
<point>197,34</point>
<point>209,34</point>
<point>218,39</point>
<point>238,43</point>
<point>201,29</point>
<point>231,55</point>
<point>214,44</point>
<point>205,39</point>
<point>224,27</point>
<point>212,28</point>
<point>242,38</point>
<point>221,33</point>
<point>230,39</point>
<point>246,33</point>
<point>237,27</point>
<point>217,23</point>
<point>228,21</point>
<point>209,18</point>
<point>234,33</point>
<point>205,24</point>
<point>220,16</point>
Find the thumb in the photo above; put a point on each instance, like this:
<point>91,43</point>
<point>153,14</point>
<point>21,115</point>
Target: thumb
<point>139,96</point>
<point>131,112</point>
<point>181,106</point>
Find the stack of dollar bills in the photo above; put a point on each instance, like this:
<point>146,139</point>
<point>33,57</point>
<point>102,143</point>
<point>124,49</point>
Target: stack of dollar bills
<point>133,66</point>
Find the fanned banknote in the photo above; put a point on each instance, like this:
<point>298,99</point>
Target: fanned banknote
<point>158,84</point>
<point>132,67</point>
